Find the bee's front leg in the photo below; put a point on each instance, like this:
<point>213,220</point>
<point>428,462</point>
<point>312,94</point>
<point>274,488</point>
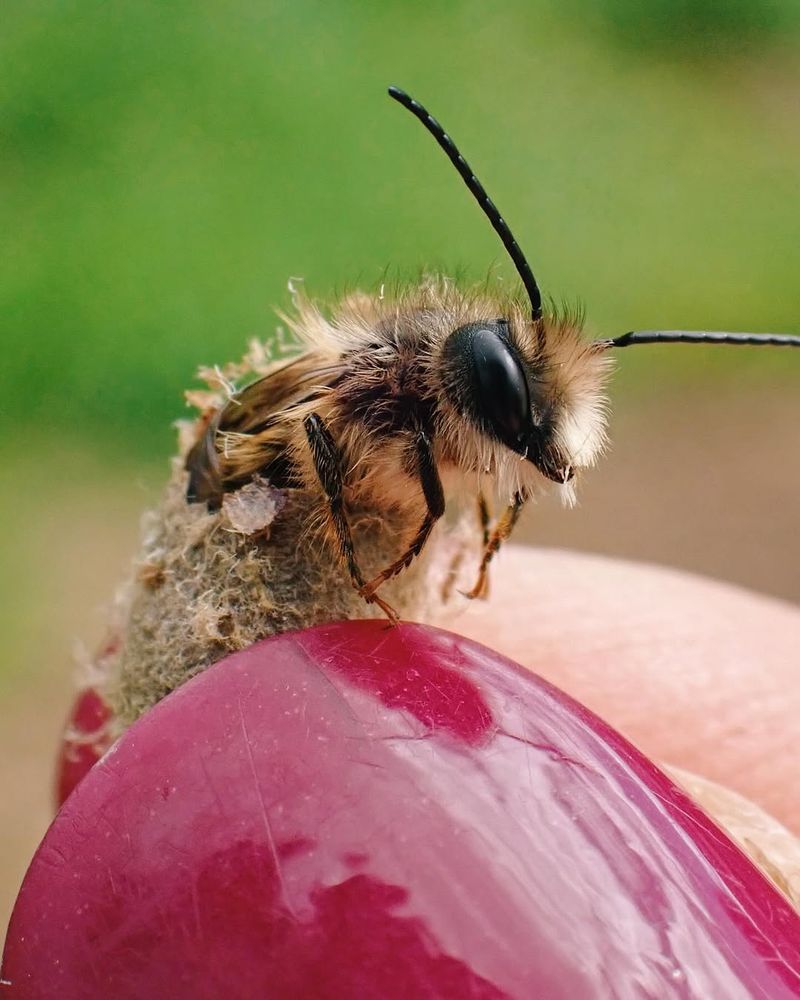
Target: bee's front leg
<point>434,499</point>
<point>328,466</point>
<point>495,539</point>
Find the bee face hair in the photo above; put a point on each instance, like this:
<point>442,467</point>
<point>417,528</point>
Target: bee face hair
<point>539,397</point>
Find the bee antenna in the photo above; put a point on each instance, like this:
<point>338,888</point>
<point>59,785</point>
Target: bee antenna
<point>702,337</point>
<point>479,193</point>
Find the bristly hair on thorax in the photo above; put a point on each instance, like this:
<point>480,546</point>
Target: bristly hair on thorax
<point>372,367</point>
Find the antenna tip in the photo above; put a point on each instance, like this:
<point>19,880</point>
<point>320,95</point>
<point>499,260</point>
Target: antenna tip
<point>398,94</point>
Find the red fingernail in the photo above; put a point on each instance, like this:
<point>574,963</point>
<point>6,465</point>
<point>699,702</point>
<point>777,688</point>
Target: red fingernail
<point>362,812</point>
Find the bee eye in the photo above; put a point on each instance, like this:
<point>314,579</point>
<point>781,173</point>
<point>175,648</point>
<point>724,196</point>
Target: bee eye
<point>497,395</point>
<point>503,397</point>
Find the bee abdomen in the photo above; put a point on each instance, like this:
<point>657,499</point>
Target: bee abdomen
<point>202,464</point>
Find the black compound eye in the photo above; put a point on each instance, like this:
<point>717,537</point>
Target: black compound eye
<point>492,385</point>
<point>503,397</point>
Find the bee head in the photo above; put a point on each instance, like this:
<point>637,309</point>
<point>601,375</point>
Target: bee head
<point>489,386</point>
<point>517,396</point>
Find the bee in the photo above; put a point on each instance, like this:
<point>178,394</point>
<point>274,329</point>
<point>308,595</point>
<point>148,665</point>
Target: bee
<point>401,401</point>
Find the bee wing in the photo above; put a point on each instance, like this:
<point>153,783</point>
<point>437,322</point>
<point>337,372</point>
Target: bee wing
<point>260,404</point>
<point>256,413</point>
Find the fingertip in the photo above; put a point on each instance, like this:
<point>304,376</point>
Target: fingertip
<point>694,671</point>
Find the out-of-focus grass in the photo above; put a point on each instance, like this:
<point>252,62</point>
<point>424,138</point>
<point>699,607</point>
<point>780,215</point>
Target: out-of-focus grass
<point>690,28</point>
<point>167,167</point>
<point>67,532</point>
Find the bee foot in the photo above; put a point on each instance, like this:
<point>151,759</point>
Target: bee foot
<point>372,598</point>
<point>479,592</point>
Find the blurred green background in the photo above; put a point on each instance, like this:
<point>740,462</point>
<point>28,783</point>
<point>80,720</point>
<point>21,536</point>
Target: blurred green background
<point>167,166</point>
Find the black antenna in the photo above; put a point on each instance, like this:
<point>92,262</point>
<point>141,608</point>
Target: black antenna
<point>702,337</point>
<point>480,195</point>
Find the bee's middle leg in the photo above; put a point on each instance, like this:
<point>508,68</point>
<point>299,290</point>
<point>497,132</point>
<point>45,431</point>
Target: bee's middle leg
<point>328,466</point>
<point>434,500</point>
<point>499,534</point>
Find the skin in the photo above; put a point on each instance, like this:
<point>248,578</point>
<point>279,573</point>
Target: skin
<point>698,674</point>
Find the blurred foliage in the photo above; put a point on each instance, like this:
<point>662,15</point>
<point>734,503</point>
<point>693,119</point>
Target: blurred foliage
<point>692,28</point>
<point>167,166</point>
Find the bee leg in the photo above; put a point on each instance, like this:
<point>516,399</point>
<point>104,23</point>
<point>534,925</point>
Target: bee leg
<point>434,499</point>
<point>484,519</point>
<point>501,531</point>
<point>328,465</point>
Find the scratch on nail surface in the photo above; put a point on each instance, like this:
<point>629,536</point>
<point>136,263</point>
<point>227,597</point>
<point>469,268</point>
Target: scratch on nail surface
<point>339,696</point>
<point>407,737</point>
<point>552,752</point>
<point>196,910</point>
<point>210,783</point>
<point>265,816</point>
<point>692,818</point>
<point>366,763</point>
